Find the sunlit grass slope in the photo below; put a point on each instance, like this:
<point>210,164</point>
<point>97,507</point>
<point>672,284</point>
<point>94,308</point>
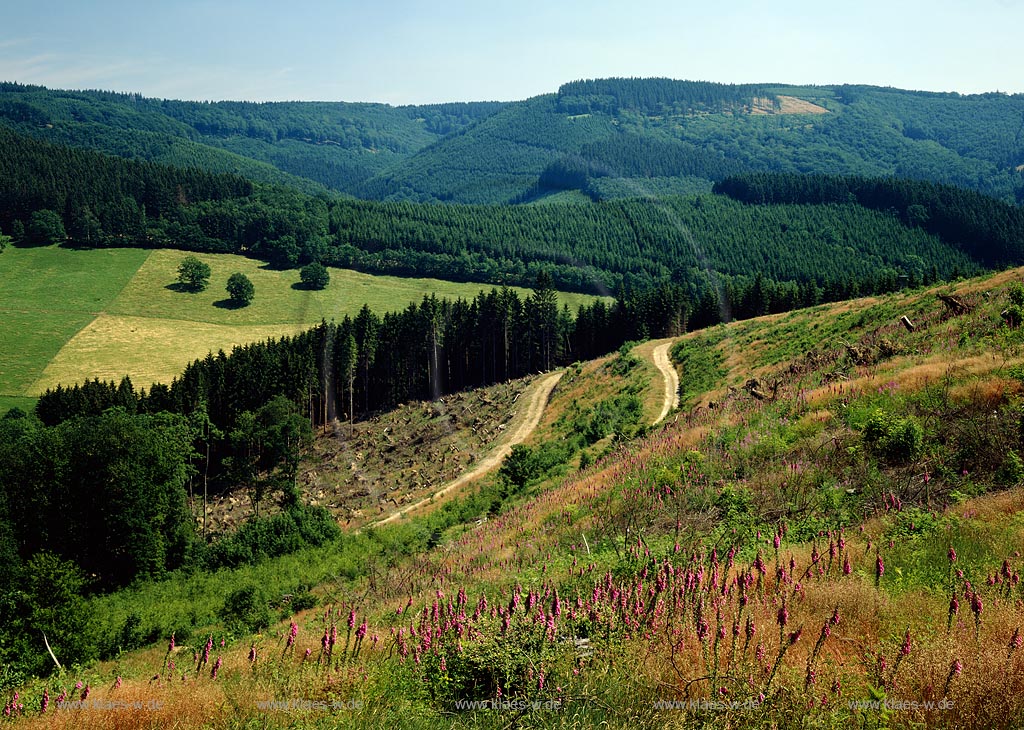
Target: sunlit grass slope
<point>827,534</point>
<point>73,315</point>
<point>47,295</point>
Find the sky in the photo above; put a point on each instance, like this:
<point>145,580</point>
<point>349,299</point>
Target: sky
<point>412,52</point>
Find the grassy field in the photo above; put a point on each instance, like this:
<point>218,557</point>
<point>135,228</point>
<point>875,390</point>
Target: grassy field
<point>46,296</point>
<point>151,294</point>
<point>73,315</point>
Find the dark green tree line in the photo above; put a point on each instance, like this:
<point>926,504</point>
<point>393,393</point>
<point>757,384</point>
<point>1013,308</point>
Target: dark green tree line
<point>636,243</point>
<point>987,229</point>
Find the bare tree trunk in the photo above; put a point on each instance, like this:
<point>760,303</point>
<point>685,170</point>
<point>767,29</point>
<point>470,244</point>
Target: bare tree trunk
<point>52,656</point>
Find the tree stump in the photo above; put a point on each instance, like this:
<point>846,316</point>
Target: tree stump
<point>954,304</point>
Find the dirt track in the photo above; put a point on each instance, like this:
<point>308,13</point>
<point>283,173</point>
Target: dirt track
<point>525,423</point>
<point>656,352</point>
<point>670,377</point>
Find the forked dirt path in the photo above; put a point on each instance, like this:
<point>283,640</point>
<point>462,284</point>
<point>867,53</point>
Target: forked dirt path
<point>525,423</point>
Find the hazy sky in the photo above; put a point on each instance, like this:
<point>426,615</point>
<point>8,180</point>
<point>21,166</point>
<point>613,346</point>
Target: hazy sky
<point>406,51</point>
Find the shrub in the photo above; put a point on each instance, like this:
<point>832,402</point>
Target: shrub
<point>892,438</point>
<point>1014,314</point>
<point>129,636</point>
<point>245,611</point>
<point>614,415</point>
<point>269,537</point>
<point>1011,472</point>
<point>497,665</point>
<point>520,466</point>
<point>626,360</point>
<point>1016,293</point>
<point>56,609</point>
<point>303,601</point>
<point>736,511</point>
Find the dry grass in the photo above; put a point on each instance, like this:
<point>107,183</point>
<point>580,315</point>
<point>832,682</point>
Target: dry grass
<point>998,506</point>
<point>787,105</point>
<point>137,704</point>
<point>276,300</point>
<point>934,369</point>
<point>147,350</point>
<point>793,105</point>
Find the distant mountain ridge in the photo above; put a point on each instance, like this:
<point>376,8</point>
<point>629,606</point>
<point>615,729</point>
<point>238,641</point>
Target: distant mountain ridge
<point>594,136</point>
<point>611,125</point>
<point>313,146</point>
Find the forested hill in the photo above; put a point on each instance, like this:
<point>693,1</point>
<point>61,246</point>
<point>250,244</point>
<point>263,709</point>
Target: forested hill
<point>606,138</point>
<point>308,145</point>
<point>604,131</point>
<point>904,231</point>
<point>991,231</point>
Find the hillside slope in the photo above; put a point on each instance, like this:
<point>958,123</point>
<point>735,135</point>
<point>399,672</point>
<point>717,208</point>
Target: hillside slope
<point>609,138</point>
<point>312,146</point>
<point>852,235</point>
<point>642,137</point>
<point>828,532</point>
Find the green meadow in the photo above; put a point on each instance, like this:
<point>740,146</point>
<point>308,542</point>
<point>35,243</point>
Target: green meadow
<point>72,315</point>
<point>47,295</point>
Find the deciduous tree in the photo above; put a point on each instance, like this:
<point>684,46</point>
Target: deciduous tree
<point>314,276</point>
<point>193,273</point>
<point>45,227</point>
<point>240,289</point>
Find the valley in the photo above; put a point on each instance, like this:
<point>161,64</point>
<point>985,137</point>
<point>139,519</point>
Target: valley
<point>639,403</point>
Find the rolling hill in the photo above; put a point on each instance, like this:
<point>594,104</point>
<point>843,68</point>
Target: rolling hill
<point>311,146</point>
<point>121,314</point>
<point>837,239</point>
<point>605,131</point>
<point>615,137</point>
